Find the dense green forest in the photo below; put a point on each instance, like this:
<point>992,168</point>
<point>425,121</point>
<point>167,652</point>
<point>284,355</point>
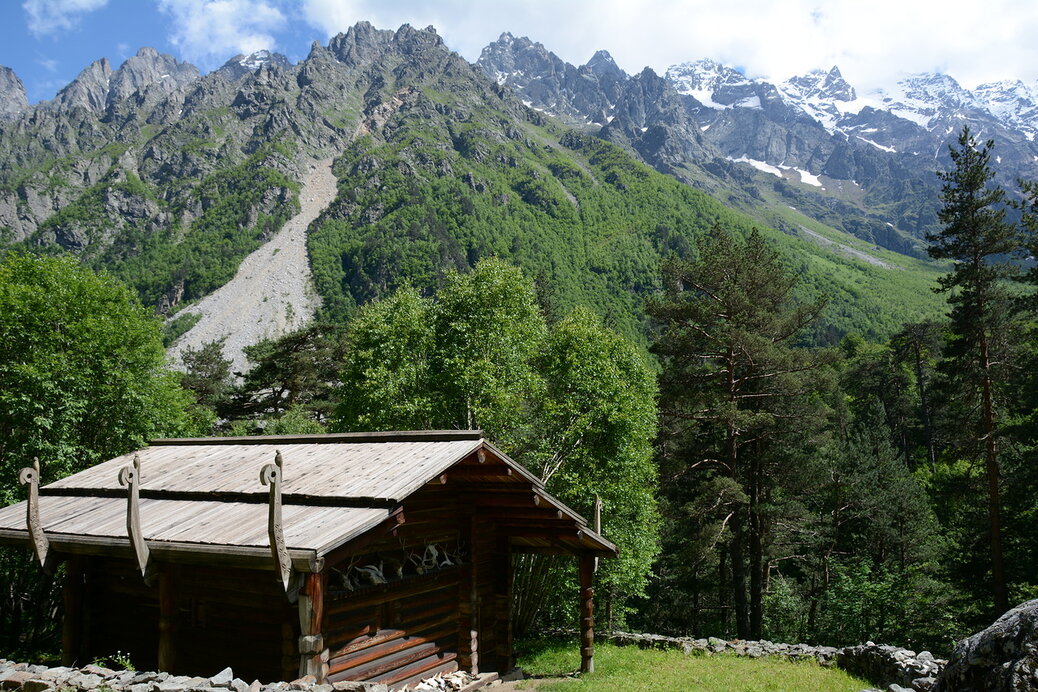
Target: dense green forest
<point>767,472</point>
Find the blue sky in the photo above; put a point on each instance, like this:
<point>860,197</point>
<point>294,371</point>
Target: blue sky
<point>47,42</point>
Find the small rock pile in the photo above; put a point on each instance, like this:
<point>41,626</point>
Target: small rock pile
<point>445,682</point>
<point>903,669</point>
<point>22,677</point>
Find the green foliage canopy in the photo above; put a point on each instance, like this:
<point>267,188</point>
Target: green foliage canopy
<point>82,374</point>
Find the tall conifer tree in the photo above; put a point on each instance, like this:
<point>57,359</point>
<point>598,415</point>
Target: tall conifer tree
<point>975,237</point>
<point>735,384</point>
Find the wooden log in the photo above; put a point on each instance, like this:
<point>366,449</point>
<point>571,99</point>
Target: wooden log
<point>503,603</point>
<point>72,625</point>
<point>167,618</point>
<point>392,662</point>
<point>383,636</point>
<point>313,654</point>
<point>587,610</point>
<point>468,601</point>
<point>419,669</point>
<point>358,662</point>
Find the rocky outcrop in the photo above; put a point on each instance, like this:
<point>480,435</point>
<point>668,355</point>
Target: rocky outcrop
<point>88,90</point>
<point>99,86</point>
<point>13,100</point>
<point>1001,658</point>
<point>148,68</point>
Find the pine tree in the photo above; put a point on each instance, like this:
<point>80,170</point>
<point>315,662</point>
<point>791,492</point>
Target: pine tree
<point>975,238</point>
<point>735,385</point>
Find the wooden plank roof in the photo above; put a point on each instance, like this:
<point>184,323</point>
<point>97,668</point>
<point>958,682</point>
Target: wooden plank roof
<point>362,468</point>
<point>201,494</point>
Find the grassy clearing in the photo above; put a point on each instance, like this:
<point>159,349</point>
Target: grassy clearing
<point>627,668</point>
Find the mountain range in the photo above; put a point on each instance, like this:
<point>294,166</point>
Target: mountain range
<point>870,158</point>
<point>168,178</point>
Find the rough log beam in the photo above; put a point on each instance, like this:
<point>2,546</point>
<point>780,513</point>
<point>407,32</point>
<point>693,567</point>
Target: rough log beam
<point>313,655</point>
<point>171,551</point>
<point>167,618</point>
<point>72,625</point>
<point>468,601</point>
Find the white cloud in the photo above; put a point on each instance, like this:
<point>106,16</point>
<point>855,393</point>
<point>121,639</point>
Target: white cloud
<point>50,16</point>
<point>872,42</point>
<point>49,64</point>
<point>208,32</point>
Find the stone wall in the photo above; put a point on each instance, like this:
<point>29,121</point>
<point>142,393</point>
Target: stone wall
<point>896,668</point>
<point>23,677</point>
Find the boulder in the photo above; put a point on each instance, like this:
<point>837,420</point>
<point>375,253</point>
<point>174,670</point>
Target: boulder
<point>1002,658</point>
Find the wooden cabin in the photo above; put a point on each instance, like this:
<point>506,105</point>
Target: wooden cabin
<point>363,556</point>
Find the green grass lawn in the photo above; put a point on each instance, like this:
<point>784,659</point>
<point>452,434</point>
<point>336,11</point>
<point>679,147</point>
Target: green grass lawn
<point>630,668</point>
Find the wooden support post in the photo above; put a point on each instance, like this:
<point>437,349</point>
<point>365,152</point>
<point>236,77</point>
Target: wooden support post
<point>468,600</point>
<point>30,476</point>
<point>167,618</point>
<point>72,625</point>
<point>313,655</point>
<point>587,610</point>
<point>503,603</point>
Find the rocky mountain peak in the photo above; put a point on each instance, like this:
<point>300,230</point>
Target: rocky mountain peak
<point>704,76</point>
<point>360,44</point>
<point>602,63</point>
<point>149,67</point>
<point>509,59</point>
<point>819,84</point>
<point>88,90</point>
<point>1012,102</point>
<point>12,94</point>
<point>241,65</point>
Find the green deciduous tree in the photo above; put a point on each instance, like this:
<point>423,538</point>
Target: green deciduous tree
<point>82,378</point>
<point>975,238</point>
<point>574,404</point>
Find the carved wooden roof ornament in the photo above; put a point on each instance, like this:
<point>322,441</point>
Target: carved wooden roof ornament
<point>271,475</point>
<point>30,475</point>
<point>130,476</point>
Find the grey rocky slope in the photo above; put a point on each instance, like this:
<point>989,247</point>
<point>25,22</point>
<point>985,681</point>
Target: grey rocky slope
<point>272,292</point>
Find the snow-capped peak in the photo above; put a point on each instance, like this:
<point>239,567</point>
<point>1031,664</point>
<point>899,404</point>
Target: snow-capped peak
<point>256,60</point>
<point>703,75</point>
<point>819,84</point>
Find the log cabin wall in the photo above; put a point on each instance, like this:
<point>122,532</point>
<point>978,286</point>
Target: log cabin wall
<point>219,617</point>
<point>439,608</point>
